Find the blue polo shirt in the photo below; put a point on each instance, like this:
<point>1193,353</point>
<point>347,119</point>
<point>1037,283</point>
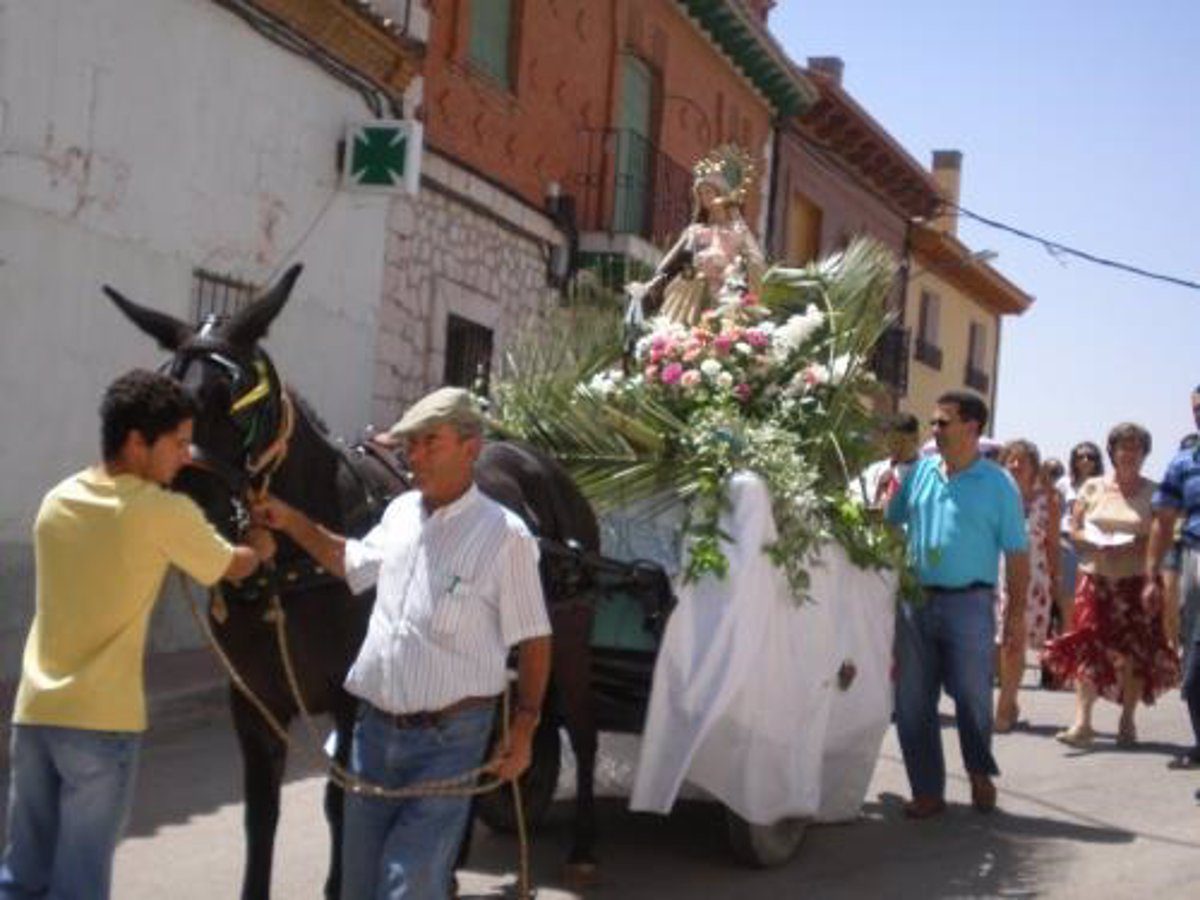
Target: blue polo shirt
<point>958,526</point>
<point>1180,490</point>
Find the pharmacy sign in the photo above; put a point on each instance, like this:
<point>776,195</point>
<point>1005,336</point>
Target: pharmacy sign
<point>383,155</point>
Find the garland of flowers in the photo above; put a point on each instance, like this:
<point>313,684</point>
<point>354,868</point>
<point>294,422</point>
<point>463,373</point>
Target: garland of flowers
<point>776,384</point>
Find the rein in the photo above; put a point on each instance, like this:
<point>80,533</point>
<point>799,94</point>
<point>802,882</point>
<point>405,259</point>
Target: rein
<point>467,784</point>
<point>253,483</point>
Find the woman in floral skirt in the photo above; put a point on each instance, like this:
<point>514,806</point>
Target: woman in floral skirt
<point>1023,462</point>
<point>1116,649</point>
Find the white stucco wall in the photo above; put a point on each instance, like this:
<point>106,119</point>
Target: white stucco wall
<point>140,139</point>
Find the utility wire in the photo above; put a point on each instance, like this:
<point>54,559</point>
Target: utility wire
<point>1054,248</point>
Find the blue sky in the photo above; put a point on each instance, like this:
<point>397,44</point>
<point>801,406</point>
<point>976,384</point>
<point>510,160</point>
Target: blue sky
<point>1079,120</point>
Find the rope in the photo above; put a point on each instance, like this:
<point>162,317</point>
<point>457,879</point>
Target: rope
<point>276,451</point>
<point>466,784</point>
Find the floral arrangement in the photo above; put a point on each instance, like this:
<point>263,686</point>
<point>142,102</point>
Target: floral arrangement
<point>777,383</point>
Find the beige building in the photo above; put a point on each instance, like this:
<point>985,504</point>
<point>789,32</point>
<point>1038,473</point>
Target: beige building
<point>954,305</point>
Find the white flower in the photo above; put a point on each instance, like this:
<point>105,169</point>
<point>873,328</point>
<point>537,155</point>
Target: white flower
<point>710,368</point>
<point>743,348</point>
<point>725,380</point>
<point>840,368</point>
<point>795,331</point>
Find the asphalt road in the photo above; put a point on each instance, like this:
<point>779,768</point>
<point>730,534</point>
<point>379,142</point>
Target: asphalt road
<point>1105,823</point>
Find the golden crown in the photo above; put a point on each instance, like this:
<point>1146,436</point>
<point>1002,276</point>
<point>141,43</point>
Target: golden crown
<point>733,165</point>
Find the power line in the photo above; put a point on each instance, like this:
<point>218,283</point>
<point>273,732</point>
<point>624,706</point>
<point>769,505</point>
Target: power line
<point>1054,248</point>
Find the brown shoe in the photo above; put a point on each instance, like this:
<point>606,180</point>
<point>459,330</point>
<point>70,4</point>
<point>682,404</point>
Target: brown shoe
<point>924,806</point>
<point>983,793</point>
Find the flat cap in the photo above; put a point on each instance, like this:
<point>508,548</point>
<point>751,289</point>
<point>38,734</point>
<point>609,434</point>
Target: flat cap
<point>448,405</point>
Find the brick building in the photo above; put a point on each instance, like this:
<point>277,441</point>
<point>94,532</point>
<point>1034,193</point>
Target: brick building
<point>559,133</point>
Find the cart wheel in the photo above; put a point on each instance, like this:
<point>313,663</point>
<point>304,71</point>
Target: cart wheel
<point>764,846</point>
<point>496,807</point>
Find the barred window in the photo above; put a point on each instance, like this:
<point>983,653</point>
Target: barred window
<point>219,295</point>
<point>468,354</point>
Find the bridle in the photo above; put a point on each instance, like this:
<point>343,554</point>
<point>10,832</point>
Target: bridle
<point>260,410</point>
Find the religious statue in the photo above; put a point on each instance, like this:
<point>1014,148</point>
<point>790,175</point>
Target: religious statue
<point>716,260</point>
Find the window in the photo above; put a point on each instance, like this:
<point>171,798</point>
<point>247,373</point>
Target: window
<point>804,230</point>
<point>491,34</point>
<point>468,354</point>
<point>889,359</point>
<point>927,350</point>
<point>977,367</point>
<point>219,296</point>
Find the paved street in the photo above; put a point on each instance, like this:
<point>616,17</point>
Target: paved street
<point>1098,824</point>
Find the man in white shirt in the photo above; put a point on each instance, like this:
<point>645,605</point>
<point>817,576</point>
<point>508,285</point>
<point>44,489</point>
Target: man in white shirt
<point>880,481</point>
<point>457,585</point>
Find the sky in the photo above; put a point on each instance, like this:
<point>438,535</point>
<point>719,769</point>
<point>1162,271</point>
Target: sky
<point>1079,121</point>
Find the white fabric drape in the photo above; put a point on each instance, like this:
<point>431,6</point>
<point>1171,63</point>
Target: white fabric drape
<point>746,702</point>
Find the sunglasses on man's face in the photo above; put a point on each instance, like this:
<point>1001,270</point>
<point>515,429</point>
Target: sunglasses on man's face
<point>940,422</point>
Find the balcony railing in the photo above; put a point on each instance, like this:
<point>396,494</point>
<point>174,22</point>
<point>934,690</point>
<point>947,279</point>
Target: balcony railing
<point>928,353</point>
<point>627,185</point>
<point>977,379</point>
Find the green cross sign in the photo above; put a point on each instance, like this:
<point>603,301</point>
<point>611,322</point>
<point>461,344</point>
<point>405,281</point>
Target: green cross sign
<point>383,155</point>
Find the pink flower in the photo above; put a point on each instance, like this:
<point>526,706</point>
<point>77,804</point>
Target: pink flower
<point>651,374</point>
<point>656,355</point>
<point>757,339</point>
<point>742,392</point>
<point>690,378</point>
<point>722,343</point>
<point>749,299</point>
<point>815,374</point>
<point>672,373</point>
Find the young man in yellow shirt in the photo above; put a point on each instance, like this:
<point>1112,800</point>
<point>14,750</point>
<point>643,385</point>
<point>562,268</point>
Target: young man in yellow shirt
<point>104,539</point>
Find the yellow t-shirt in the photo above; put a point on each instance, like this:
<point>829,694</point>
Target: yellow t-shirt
<point>103,545</point>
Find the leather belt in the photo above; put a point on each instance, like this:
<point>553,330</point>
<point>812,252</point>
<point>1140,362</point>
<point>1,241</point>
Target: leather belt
<point>433,718</point>
<point>961,589</point>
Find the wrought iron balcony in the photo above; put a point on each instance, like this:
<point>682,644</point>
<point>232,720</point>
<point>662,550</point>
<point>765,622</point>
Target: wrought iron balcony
<point>626,185</point>
<point>929,354</point>
<point>977,379</point>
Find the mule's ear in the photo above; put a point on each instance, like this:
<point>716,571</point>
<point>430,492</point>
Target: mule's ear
<point>249,326</point>
<point>170,332</point>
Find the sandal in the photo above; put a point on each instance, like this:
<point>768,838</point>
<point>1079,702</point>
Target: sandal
<point>1078,736</point>
<point>1004,724</point>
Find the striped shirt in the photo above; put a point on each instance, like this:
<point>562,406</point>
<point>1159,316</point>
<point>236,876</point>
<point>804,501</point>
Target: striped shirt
<point>456,589</point>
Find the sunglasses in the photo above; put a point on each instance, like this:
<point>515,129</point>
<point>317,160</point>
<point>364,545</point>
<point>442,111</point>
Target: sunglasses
<point>1089,456</point>
<point>940,423</point>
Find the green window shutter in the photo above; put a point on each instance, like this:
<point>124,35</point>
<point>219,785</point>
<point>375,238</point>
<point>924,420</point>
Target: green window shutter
<point>491,28</point>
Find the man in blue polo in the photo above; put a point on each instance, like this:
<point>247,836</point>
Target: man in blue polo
<point>1179,493</point>
<point>960,513</point>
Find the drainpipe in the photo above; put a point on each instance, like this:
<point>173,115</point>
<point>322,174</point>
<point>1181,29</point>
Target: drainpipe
<point>995,375</point>
<point>773,201</point>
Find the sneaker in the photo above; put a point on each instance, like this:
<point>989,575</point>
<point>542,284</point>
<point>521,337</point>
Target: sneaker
<point>1079,737</point>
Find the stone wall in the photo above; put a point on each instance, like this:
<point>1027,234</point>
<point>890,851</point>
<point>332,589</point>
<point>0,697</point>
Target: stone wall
<point>463,247</point>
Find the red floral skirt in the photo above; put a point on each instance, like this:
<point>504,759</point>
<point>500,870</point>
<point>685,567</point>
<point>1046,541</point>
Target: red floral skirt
<point>1108,625</point>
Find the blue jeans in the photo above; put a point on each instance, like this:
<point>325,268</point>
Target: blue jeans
<point>405,849</point>
<point>948,640</point>
<point>69,798</point>
<point>1189,636</point>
